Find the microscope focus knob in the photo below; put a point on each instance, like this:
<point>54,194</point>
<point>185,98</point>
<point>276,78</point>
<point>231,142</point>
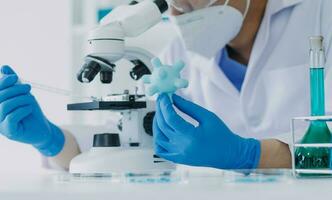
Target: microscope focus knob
<point>106,140</point>
<point>148,122</point>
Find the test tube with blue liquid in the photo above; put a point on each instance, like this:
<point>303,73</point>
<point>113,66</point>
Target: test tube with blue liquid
<point>318,131</point>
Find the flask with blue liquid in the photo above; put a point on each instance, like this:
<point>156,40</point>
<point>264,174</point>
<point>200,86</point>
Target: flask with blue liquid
<point>318,131</point>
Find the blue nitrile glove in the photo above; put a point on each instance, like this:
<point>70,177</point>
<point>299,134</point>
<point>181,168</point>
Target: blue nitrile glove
<point>210,144</point>
<point>21,118</point>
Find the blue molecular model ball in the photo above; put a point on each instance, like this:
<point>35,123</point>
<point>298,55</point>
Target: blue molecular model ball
<point>165,78</point>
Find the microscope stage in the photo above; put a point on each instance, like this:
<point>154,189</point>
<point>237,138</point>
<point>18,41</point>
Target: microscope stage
<point>107,105</point>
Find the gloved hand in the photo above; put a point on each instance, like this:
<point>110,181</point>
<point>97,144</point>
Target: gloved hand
<point>21,118</point>
<point>210,144</point>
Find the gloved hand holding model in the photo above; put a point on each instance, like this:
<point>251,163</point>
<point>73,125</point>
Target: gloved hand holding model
<point>21,118</point>
<point>210,144</point>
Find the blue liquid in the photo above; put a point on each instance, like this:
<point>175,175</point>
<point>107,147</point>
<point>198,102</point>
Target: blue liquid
<point>317,91</point>
<point>318,132</point>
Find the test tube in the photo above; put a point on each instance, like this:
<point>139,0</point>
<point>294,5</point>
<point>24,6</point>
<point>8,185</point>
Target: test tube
<point>317,62</point>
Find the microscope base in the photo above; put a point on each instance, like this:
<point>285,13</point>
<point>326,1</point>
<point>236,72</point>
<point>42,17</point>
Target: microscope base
<point>111,161</point>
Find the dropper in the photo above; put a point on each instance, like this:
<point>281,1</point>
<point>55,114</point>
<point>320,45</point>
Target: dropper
<point>56,90</point>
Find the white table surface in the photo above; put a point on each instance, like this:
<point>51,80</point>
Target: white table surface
<point>52,186</point>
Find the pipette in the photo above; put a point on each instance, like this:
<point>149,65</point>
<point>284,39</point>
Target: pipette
<point>56,90</point>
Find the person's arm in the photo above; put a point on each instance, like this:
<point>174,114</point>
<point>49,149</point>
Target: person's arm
<point>22,120</point>
<point>69,151</point>
<point>274,154</point>
<point>211,143</point>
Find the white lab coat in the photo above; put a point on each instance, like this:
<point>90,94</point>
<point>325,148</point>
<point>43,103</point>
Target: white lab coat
<point>276,86</point>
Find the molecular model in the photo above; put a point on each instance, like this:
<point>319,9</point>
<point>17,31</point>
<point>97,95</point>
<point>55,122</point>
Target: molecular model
<point>165,78</point>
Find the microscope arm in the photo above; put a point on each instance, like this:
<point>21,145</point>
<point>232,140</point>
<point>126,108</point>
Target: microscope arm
<point>136,19</point>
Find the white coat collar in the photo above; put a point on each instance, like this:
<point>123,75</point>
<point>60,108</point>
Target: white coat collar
<point>254,67</point>
<point>258,58</point>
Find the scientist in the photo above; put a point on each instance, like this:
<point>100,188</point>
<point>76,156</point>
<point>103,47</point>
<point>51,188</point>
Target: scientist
<point>248,76</point>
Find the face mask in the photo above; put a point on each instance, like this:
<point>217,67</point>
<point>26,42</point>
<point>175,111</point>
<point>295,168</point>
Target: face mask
<point>207,31</point>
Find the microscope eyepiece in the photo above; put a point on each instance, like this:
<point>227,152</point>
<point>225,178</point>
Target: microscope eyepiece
<point>88,72</point>
<point>91,68</point>
<point>139,70</point>
<point>106,76</point>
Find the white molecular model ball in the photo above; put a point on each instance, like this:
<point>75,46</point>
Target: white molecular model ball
<point>165,78</point>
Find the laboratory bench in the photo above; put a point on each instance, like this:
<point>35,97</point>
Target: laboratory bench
<point>55,185</point>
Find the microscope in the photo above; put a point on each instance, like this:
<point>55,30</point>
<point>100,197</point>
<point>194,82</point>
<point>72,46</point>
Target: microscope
<point>130,150</point>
